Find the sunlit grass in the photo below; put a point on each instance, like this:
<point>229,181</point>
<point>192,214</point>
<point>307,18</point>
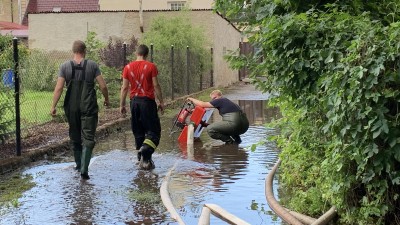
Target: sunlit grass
<point>35,106</point>
<point>12,188</point>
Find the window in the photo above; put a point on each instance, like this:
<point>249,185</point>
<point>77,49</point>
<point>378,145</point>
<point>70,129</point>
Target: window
<point>176,5</point>
<point>57,9</point>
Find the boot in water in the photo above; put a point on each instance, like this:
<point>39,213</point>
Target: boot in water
<point>146,162</point>
<point>86,156</point>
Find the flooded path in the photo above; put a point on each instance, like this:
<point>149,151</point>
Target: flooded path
<point>230,176</point>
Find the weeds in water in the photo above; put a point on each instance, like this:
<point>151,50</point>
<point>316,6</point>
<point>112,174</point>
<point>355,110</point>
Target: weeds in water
<point>12,188</point>
<point>144,196</point>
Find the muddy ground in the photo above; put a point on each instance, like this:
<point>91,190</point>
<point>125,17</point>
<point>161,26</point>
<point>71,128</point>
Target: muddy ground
<point>48,133</point>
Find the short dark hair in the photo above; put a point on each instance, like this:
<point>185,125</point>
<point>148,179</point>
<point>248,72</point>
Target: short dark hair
<point>142,50</point>
<point>79,47</point>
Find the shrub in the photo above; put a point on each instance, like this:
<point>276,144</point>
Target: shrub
<point>112,55</point>
<point>39,70</point>
<point>335,68</point>
<point>180,33</point>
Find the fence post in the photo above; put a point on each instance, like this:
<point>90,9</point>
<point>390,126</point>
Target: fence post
<point>172,72</point>
<point>212,68</point>
<point>151,52</point>
<point>187,70</point>
<point>16,91</point>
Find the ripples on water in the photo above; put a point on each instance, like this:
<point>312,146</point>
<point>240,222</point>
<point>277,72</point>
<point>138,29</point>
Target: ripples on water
<point>230,176</point>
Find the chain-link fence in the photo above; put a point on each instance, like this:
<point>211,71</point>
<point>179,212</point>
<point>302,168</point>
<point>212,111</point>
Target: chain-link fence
<point>181,72</point>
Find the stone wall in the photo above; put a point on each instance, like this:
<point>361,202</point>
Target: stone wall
<point>226,38</point>
<point>57,31</point>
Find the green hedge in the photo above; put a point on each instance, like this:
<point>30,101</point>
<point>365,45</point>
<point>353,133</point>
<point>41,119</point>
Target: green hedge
<point>335,68</point>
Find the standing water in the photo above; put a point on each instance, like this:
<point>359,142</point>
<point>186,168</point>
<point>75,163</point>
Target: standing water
<point>231,176</point>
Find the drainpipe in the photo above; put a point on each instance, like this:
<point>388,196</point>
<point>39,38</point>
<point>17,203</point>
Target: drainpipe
<point>19,12</point>
<point>12,12</point>
<point>141,16</point>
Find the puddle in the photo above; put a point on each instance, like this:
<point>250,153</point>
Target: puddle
<point>230,176</point>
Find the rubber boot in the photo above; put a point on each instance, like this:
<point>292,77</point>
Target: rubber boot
<point>139,155</point>
<point>77,155</point>
<point>86,156</point>
<point>78,158</point>
<point>237,139</point>
<point>146,162</point>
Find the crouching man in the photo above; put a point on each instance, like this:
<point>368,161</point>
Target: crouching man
<point>234,120</point>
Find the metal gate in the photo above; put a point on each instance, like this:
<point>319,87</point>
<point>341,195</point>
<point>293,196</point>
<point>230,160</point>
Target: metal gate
<point>245,49</point>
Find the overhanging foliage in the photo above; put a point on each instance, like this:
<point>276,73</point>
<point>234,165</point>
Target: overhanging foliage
<point>335,66</point>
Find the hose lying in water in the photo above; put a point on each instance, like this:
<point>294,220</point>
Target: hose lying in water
<point>327,217</point>
<point>278,209</point>
<point>303,218</point>
<point>288,216</point>
<point>214,209</point>
<point>167,200</point>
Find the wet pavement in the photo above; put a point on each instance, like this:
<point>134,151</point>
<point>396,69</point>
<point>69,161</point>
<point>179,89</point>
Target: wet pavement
<point>230,176</point>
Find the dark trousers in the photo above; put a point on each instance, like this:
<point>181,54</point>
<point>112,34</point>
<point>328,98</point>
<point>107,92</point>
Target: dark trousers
<point>82,127</point>
<point>145,122</point>
<point>235,123</point>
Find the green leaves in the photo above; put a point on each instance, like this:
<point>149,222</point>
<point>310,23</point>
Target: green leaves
<point>335,67</point>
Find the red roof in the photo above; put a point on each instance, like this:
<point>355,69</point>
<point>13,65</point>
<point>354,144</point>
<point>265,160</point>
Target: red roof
<point>67,5</point>
<point>11,26</point>
<point>37,6</point>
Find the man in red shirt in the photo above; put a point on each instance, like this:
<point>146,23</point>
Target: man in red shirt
<point>141,76</point>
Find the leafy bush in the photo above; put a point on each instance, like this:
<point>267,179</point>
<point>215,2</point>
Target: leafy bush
<point>93,46</point>
<point>112,55</point>
<point>180,33</point>
<point>39,70</point>
<point>336,69</point>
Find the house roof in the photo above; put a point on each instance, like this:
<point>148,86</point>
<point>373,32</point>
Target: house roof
<point>11,26</point>
<point>70,5</point>
<point>14,29</point>
<point>37,6</point>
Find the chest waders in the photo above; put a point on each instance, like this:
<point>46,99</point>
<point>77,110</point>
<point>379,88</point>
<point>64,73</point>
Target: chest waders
<point>228,130</point>
<point>81,110</point>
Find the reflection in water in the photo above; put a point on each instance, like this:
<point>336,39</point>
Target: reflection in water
<point>147,200</point>
<point>118,193</point>
<point>228,175</point>
<point>257,111</point>
<point>60,197</point>
<point>82,204</point>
